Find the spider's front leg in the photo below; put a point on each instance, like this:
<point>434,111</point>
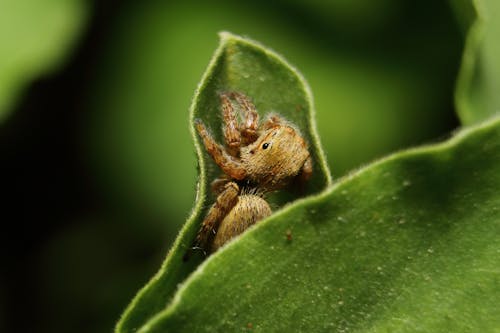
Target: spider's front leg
<point>231,129</point>
<point>226,200</point>
<point>250,124</point>
<point>306,171</point>
<point>229,164</point>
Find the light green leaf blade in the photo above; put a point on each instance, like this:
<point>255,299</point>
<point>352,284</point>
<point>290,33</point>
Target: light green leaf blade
<point>35,35</point>
<point>408,244</point>
<point>477,94</point>
<point>242,65</point>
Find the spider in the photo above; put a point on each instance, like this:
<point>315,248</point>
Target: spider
<point>257,158</point>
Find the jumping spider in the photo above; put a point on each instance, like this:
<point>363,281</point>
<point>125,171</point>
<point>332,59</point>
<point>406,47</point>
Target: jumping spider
<point>257,158</point>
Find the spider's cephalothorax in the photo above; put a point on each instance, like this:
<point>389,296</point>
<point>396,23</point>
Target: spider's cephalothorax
<point>262,156</point>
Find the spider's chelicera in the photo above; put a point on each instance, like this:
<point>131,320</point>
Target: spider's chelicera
<point>257,158</point>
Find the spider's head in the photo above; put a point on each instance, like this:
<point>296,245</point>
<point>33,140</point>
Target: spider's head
<point>275,157</point>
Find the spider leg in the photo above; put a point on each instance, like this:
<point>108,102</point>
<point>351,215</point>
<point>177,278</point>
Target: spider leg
<point>250,124</point>
<point>230,128</point>
<point>299,183</point>
<point>219,184</point>
<point>229,164</point>
<point>226,200</point>
<point>306,171</point>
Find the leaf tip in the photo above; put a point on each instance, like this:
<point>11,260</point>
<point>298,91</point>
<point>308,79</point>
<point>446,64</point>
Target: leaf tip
<point>226,36</point>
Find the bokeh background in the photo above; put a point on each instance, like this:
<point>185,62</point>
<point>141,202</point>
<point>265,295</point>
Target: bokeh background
<point>98,169</point>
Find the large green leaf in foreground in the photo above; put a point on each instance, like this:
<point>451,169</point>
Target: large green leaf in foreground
<point>408,244</point>
<point>274,86</point>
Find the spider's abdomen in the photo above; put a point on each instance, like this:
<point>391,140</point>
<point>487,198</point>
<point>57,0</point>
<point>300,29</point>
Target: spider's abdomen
<point>249,209</point>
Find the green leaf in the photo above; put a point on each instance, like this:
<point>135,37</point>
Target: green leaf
<point>409,244</point>
<point>478,84</point>
<point>35,35</point>
<point>274,86</point>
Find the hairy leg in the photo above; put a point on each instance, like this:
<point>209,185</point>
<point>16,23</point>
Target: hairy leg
<point>229,164</point>
<point>306,171</point>
<point>218,185</point>
<point>230,128</point>
<point>226,200</point>
<point>250,124</point>
<point>304,174</point>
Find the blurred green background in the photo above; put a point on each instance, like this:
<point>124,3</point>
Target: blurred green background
<point>98,166</point>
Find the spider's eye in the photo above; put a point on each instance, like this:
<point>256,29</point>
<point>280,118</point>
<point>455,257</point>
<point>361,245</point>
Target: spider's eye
<point>265,145</point>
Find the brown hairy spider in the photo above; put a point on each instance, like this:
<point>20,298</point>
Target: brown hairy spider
<point>257,158</point>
